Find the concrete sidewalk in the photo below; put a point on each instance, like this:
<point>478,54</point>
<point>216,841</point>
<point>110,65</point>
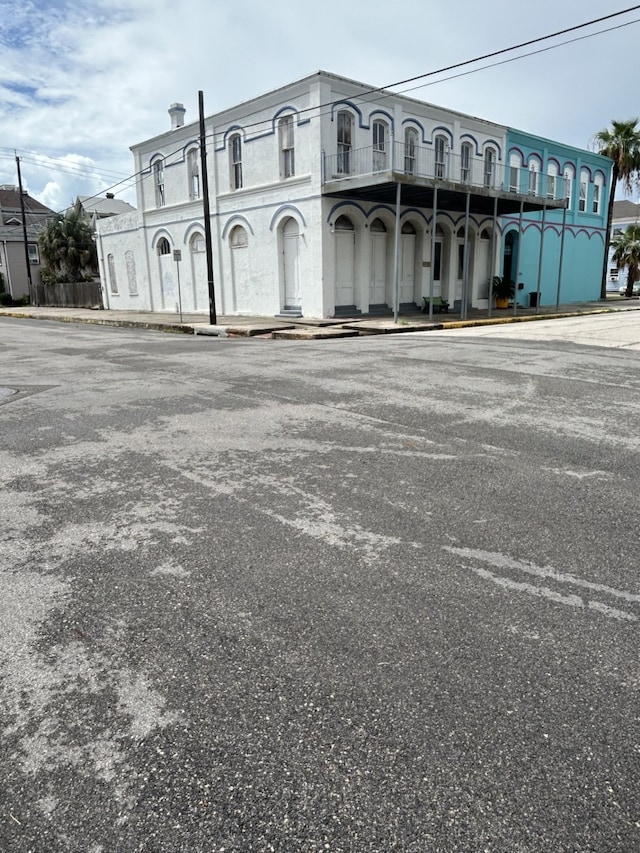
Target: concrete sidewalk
<point>309,328</point>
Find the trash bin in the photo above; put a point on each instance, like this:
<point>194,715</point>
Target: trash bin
<point>533,299</point>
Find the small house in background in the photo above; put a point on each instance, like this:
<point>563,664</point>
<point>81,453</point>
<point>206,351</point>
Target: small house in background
<point>93,208</point>
<point>13,259</point>
<point>625,213</point>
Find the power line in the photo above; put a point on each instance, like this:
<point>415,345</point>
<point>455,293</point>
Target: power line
<point>385,89</point>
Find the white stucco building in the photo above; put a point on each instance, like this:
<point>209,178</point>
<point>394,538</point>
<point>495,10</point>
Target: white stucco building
<point>327,199</point>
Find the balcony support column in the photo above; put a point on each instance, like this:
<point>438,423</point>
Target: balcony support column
<point>492,253</point>
<point>465,262</point>
<point>433,251</point>
<point>518,270</point>
<point>564,225</point>
<point>544,217</point>
<point>396,257</point>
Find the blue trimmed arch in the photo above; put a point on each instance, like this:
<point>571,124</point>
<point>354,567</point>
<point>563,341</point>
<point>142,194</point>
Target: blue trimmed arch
<point>236,219</point>
<point>290,210</point>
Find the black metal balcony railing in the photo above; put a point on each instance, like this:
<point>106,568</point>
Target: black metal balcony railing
<point>421,162</point>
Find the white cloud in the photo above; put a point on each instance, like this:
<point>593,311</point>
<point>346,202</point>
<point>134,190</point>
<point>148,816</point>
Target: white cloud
<point>89,81</point>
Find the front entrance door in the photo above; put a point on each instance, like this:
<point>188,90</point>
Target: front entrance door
<point>345,261</point>
<point>291,273</point>
<point>407,264</point>
<point>378,280</point>
<point>481,273</point>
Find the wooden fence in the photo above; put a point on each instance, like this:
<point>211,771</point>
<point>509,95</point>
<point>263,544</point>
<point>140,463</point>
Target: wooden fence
<point>68,294</point>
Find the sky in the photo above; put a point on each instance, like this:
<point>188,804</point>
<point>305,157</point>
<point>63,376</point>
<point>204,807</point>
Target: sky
<point>82,82</point>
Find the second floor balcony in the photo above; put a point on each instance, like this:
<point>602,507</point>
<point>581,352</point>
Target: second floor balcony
<point>456,174</point>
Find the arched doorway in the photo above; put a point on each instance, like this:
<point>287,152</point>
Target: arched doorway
<point>407,272</point>
<point>239,246</point>
<point>166,273</point>
<point>481,270</point>
<point>198,259</point>
<point>378,275</point>
<point>290,267</point>
<point>437,262</point>
<point>510,256</point>
<point>345,237</point>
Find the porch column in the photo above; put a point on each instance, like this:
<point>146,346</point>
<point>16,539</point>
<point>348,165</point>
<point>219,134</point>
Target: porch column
<point>433,251</point>
<point>396,253</point>
<point>465,261</point>
<point>544,217</point>
<point>515,292</point>
<point>564,225</point>
<point>492,253</point>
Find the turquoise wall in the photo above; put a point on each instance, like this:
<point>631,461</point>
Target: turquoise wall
<point>584,243</point>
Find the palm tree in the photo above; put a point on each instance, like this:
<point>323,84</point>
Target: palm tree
<point>68,247</point>
<point>620,142</point>
<point>626,254</point>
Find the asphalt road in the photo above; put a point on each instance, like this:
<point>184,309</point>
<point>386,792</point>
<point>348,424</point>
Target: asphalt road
<point>377,594</point>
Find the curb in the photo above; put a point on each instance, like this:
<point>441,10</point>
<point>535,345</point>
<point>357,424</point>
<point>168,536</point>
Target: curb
<point>300,332</point>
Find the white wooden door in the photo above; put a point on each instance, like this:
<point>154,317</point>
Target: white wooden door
<point>481,277</point>
<point>378,280</point>
<point>291,270</point>
<point>407,267</point>
<point>345,267</point>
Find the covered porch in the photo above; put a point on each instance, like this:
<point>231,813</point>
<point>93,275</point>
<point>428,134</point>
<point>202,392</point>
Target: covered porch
<point>475,189</point>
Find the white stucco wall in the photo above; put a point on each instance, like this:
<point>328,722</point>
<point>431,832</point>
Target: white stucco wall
<point>250,279</point>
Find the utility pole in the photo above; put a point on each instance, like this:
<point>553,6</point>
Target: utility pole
<point>24,230</point>
<point>207,213</point>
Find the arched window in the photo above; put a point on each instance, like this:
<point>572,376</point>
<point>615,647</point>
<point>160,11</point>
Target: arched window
<point>345,142</point>
<point>533,177</point>
<point>343,223</point>
<point>238,238</point>
<point>196,244</point>
<point>441,148</point>
<point>379,146</point>
<point>158,180</point>
<point>287,158</point>
<point>130,262</point>
<point>489,167</point>
<point>597,193</point>
<point>235,161</point>
<point>552,180</point>
<point>163,246</point>
<point>112,274</point>
<point>407,228</point>
<point>485,234</point>
<point>584,188</point>
<point>465,162</point>
<point>569,175</point>
<point>410,148</point>
<point>193,172</point>
<point>515,164</point>
<point>378,226</point>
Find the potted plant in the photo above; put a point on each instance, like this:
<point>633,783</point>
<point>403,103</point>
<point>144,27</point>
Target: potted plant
<point>503,289</point>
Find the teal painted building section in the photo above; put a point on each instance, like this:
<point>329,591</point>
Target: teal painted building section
<point>587,176</point>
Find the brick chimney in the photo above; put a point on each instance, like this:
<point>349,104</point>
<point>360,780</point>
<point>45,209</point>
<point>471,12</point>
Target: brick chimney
<point>177,111</point>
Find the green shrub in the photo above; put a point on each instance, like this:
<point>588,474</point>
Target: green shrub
<point>5,299</point>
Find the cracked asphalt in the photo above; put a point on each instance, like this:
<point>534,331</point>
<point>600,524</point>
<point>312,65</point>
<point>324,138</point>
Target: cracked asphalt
<point>372,594</point>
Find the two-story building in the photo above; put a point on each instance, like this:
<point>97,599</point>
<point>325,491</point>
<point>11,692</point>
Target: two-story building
<point>330,198</point>
<point>18,263</point>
